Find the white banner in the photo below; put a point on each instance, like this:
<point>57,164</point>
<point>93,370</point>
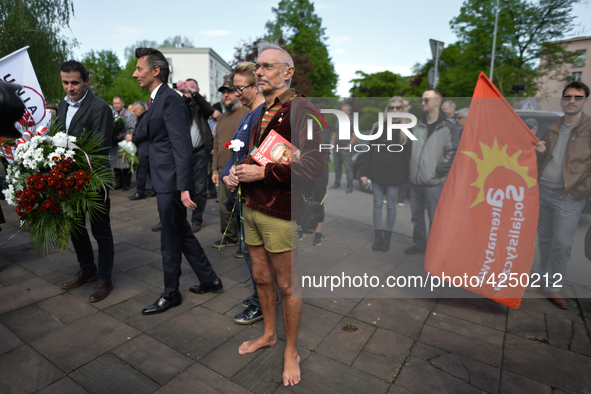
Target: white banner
<point>17,68</point>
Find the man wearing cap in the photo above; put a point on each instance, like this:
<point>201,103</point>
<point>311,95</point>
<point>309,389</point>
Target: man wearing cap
<point>225,128</point>
<point>532,124</point>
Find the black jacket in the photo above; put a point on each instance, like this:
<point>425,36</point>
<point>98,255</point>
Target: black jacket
<point>168,126</point>
<point>200,111</point>
<point>385,167</point>
<point>93,115</point>
<point>140,137</point>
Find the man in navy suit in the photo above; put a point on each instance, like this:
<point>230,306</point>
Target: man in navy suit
<point>81,111</point>
<point>168,127</point>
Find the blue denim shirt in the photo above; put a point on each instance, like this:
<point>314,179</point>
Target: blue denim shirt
<point>243,134</point>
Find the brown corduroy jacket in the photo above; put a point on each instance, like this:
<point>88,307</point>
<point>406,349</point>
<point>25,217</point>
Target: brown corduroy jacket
<point>577,160</point>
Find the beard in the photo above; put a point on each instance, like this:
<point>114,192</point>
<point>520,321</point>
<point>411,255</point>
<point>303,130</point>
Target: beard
<point>233,106</point>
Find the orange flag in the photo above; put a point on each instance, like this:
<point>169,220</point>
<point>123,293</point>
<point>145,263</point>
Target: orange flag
<point>486,220</point>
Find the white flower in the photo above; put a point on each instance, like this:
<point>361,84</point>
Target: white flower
<point>61,139</point>
<point>236,145</point>
<point>9,195</point>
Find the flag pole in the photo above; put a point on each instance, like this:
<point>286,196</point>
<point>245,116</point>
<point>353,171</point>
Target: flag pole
<point>492,61</point>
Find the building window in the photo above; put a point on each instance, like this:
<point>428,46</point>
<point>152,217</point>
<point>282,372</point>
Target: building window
<point>580,60</point>
<point>577,77</point>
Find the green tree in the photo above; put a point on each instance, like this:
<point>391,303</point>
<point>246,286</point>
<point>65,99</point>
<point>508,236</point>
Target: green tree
<point>126,87</point>
<point>108,79</point>
<point>103,67</point>
<point>38,24</point>
<point>247,52</point>
<point>305,36</point>
<point>380,84</point>
<point>526,33</point>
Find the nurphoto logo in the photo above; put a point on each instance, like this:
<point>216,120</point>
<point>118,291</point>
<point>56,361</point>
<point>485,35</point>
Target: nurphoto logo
<point>345,130</point>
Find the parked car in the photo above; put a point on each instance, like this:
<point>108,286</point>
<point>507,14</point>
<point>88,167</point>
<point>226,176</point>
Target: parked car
<point>545,119</point>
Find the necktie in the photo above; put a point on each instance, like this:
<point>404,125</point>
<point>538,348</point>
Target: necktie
<point>150,102</point>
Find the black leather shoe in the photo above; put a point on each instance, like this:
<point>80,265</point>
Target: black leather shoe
<point>207,287</point>
<point>162,305</point>
<point>246,303</point>
<point>150,193</point>
<point>137,196</point>
<point>252,314</point>
<point>157,227</point>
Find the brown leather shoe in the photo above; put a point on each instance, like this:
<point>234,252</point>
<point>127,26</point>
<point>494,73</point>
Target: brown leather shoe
<point>101,291</point>
<point>557,299</point>
<point>80,279</point>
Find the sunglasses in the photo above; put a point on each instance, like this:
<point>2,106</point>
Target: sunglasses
<point>395,107</point>
<point>569,98</point>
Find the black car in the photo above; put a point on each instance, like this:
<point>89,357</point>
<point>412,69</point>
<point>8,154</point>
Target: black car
<point>545,119</point>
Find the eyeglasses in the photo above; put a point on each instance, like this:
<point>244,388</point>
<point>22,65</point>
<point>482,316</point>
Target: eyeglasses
<point>460,117</point>
<point>238,90</point>
<point>425,100</point>
<point>395,107</point>
<point>569,98</point>
<point>266,66</point>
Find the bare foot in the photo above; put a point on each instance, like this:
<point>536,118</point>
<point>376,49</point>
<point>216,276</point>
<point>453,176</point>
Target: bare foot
<point>291,370</point>
<point>256,344</point>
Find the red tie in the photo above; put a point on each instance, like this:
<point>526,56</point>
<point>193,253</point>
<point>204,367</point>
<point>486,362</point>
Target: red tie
<point>150,102</point>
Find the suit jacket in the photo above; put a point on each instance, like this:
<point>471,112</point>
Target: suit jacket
<point>94,115</point>
<point>140,137</point>
<point>169,133</point>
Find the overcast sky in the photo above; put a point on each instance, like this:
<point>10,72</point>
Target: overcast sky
<point>365,35</point>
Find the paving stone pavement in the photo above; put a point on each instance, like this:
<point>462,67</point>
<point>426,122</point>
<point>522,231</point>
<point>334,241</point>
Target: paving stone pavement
<point>54,341</point>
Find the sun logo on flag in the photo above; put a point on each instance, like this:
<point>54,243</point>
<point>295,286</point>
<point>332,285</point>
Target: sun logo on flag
<point>493,158</point>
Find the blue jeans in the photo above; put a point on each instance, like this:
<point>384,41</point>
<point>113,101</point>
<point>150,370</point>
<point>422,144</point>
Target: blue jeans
<point>557,225</point>
<point>199,193</point>
<point>422,196</point>
<point>391,193</point>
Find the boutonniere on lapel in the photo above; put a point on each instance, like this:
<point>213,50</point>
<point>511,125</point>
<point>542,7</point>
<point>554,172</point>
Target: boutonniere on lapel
<point>280,117</point>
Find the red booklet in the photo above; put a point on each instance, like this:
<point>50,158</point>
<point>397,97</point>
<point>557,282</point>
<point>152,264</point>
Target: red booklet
<point>275,149</point>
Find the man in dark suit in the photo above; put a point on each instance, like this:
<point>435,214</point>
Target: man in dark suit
<point>82,111</point>
<point>168,127</point>
<point>140,139</point>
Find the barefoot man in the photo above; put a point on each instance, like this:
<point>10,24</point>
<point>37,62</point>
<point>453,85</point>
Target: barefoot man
<point>270,191</point>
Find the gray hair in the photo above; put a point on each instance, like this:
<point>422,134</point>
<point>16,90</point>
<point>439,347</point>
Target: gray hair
<point>264,45</point>
<point>450,103</point>
<point>463,111</point>
<point>142,104</point>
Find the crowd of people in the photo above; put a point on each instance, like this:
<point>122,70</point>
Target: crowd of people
<point>181,145</point>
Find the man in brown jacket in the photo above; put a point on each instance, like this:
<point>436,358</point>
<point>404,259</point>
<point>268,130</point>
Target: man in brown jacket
<point>225,128</point>
<point>564,162</point>
<point>272,195</point>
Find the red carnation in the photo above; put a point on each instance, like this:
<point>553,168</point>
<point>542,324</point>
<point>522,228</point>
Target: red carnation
<point>227,144</point>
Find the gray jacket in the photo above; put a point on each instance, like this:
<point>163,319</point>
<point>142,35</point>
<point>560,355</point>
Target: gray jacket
<point>432,156</point>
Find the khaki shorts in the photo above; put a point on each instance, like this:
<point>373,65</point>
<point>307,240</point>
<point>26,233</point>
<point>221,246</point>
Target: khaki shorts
<point>277,235</point>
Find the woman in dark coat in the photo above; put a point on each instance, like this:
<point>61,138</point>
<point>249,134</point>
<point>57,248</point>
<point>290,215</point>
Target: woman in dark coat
<point>388,170</point>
